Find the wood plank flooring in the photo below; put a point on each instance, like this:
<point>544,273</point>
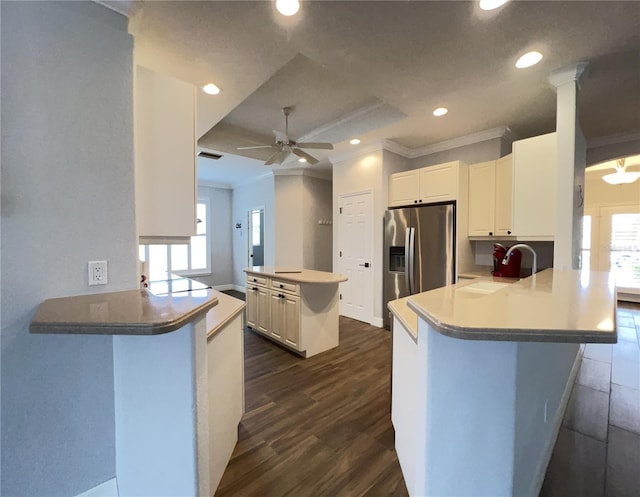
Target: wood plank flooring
<point>318,426</point>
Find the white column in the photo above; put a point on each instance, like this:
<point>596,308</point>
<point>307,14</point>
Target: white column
<point>571,164</point>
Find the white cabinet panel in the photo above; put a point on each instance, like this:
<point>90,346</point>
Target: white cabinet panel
<point>482,198</point>
<point>165,156</point>
<point>404,188</point>
<point>503,225</point>
<point>439,183</point>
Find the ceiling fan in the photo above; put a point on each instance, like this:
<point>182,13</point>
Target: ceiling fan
<point>285,146</point>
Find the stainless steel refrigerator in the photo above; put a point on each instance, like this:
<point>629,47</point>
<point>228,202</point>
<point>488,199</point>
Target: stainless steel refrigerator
<point>419,251</point>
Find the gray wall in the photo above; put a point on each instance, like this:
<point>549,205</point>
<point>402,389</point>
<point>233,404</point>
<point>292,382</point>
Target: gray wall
<point>67,198</point>
<point>317,239</point>
<point>259,193</point>
<point>221,233</point>
<point>470,154</point>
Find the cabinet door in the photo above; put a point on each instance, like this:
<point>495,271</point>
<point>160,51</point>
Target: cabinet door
<point>276,309</point>
<point>263,319</point>
<point>482,198</point>
<point>291,306</point>
<point>439,183</point>
<point>252,306</point>
<point>404,188</point>
<point>165,156</point>
<point>534,193</point>
<point>504,196</point>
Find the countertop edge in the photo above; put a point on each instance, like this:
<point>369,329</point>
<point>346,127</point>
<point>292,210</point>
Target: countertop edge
<point>515,335</point>
<point>138,329</point>
<point>293,276</point>
<point>214,328</point>
<point>409,328</point>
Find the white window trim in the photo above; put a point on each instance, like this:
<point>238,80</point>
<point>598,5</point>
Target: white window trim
<point>203,271</point>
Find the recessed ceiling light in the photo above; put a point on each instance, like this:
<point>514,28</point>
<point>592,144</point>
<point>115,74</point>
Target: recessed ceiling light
<point>302,159</point>
<point>355,141</point>
<point>529,59</point>
<point>211,89</point>
<point>440,111</point>
<point>491,4</point>
<point>288,7</point>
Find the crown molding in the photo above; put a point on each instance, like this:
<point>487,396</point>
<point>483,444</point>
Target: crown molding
<point>215,184</point>
<point>568,74</point>
<point>342,120</point>
<point>627,136</point>
<point>462,141</point>
<point>312,173</point>
<point>122,7</point>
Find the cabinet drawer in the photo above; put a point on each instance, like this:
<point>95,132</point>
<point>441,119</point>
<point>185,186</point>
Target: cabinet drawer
<point>256,280</point>
<point>285,286</point>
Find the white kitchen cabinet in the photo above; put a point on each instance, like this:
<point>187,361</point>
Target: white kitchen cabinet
<point>301,315</point>
<point>521,203</point>
<point>503,225</point>
<point>535,165</point>
<point>431,184</point>
<point>482,198</point>
<point>404,188</point>
<point>165,157</point>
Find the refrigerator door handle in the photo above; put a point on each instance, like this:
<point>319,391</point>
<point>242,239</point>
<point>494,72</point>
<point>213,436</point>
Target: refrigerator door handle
<point>407,263</point>
<point>412,233</point>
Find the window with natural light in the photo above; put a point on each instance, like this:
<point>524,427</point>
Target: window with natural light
<point>174,261</point>
<point>586,242</point>
<point>625,249</point>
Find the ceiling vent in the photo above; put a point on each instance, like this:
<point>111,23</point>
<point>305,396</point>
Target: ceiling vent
<point>209,155</point>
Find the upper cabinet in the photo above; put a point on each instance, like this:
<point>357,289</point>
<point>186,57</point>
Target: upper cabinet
<point>515,195</point>
<point>165,154</point>
<point>423,186</point>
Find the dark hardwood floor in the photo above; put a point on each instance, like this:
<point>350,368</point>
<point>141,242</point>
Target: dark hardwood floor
<point>319,426</point>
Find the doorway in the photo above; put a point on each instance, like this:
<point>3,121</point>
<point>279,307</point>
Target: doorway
<point>255,238</point>
<point>355,254</point>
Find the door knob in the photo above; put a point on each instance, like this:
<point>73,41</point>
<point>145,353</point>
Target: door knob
<point>366,264</point>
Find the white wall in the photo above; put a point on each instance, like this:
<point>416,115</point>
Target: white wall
<point>221,231</point>
<point>259,193</point>
<point>67,198</point>
<point>599,193</point>
<point>317,239</point>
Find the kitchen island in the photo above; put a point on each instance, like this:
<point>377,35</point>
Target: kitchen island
<point>178,381</point>
<point>296,308</point>
<point>480,389</point>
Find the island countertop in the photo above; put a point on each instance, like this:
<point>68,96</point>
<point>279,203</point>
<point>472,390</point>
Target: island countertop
<point>296,275</point>
<point>129,312</point>
<point>551,306</point>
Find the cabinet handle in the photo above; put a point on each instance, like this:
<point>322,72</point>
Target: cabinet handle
<point>415,201</point>
<point>420,200</point>
<point>254,280</point>
<point>508,232</point>
<point>490,233</point>
<point>281,286</point>
<point>280,295</point>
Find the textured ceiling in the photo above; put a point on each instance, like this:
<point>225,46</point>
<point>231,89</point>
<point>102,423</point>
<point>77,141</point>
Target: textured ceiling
<point>335,57</point>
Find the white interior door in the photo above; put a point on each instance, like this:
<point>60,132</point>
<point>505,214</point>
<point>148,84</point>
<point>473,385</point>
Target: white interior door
<point>355,252</point>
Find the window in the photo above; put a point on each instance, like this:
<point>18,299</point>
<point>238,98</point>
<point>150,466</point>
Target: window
<point>173,261</point>
<point>624,251</point>
<point>586,242</point>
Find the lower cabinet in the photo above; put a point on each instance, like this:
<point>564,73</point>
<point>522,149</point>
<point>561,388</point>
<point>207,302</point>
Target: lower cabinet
<point>302,317</point>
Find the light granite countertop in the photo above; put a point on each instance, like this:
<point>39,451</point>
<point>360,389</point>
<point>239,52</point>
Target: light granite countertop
<point>551,306</point>
<point>130,312</point>
<point>407,317</point>
<point>228,307</point>
<point>297,275</point>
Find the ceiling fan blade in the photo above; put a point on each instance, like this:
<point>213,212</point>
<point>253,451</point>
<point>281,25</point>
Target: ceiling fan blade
<point>310,158</point>
<point>256,146</point>
<point>323,146</point>
<point>277,157</point>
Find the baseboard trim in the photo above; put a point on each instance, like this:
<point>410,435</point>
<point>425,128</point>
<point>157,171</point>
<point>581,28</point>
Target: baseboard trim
<point>377,322</point>
<point>541,470</point>
<point>107,489</point>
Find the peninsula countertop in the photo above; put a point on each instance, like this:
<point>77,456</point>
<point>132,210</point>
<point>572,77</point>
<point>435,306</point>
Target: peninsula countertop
<point>129,312</point>
<point>551,306</point>
<point>297,275</point>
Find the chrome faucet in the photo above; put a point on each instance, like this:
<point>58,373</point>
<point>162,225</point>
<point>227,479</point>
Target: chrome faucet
<point>534,265</point>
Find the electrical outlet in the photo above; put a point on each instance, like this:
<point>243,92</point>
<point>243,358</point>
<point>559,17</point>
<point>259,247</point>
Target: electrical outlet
<point>98,273</point>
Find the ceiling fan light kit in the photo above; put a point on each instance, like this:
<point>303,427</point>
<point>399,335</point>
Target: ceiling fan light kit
<point>621,176</point>
<point>288,7</point>
<point>285,146</point>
